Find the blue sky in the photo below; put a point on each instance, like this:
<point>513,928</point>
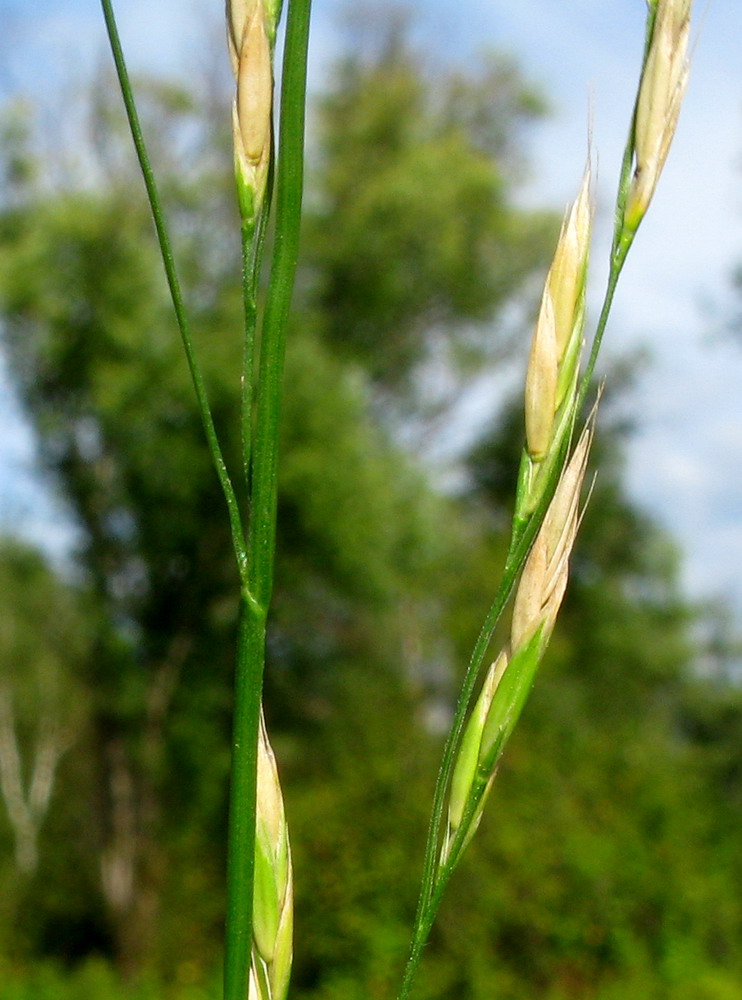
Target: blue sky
<point>685,464</point>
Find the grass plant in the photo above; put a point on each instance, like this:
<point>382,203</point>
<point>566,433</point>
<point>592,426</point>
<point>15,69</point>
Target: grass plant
<point>548,492</point>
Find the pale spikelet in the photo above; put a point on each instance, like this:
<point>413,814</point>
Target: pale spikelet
<point>529,597</point>
<point>255,89</point>
<point>541,382</point>
<point>663,83</point>
<point>238,14</point>
<point>554,355</point>
<point>537,601</point>
<point>560,528</point>
<point>273,893</point>
<point>544,578</point>
<point>561,517</point>
<point>566,281</point>
<point>468,755</point>
<point>249,35</point>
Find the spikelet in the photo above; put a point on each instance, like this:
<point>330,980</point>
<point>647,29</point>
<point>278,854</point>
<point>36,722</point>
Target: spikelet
<point>541,382</point>
<point>544,577</point>
<point>538,597</point>
<point>250,33</point>
<point>661,91</point>
<point>566,281</point>
<point>468,756</point>
<point>551,375</point>
<point>273,892</point>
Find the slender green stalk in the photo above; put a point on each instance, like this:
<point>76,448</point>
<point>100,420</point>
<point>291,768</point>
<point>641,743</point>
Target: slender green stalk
<point>263,479</point>
<point>163,239</point>
<point>242,792</point>
<point>289,183</point>
<point>250,309</point>
<point>256,575</point>
<point>617,262</point>
<point>253,245</point>
<point>622,241</point>
<point>440,883</point>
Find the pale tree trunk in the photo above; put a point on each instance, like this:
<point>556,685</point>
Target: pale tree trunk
<point>132,862</point>
<point>27,801</point>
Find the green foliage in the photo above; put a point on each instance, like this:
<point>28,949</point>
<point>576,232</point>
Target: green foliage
<point>413,241</point>
<point>96,980</point>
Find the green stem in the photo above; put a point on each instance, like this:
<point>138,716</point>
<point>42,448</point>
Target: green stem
<point>242,792</point>
<point>622,241</point>
<point>618,260</point>
<point>441,878</point>
<point>622,237</point>
<point>262,525</point>
<point>250,309</point>
<point>289,183</point>
<point>253,244</point>
<point>163,239</point>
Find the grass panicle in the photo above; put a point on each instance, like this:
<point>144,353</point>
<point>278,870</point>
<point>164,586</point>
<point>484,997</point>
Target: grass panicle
<point>546,515</point>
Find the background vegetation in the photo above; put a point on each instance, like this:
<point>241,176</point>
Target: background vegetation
<point>610,862</point>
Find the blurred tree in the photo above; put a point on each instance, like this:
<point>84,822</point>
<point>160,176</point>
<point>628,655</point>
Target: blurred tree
<point>93,348</point>
<point>92,341</point>
<point>414,243</point>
